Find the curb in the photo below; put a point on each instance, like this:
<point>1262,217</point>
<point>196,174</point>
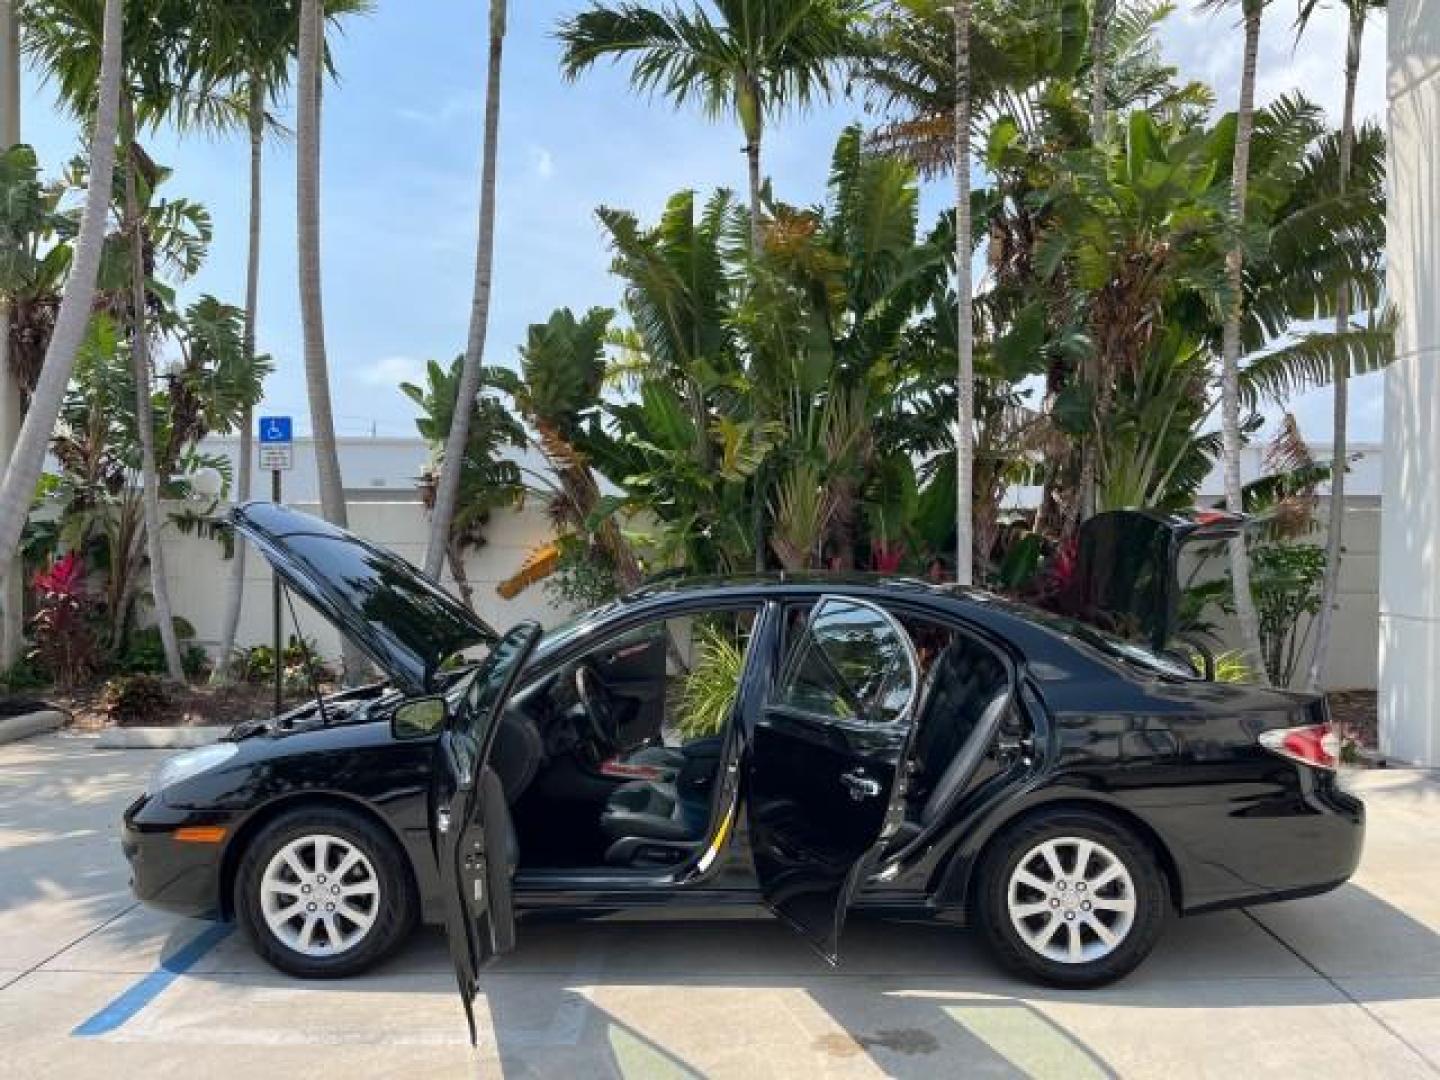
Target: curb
<point>14,728</point>
<point>157,738</point>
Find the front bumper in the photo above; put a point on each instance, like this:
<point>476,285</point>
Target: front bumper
<point>167,873</point>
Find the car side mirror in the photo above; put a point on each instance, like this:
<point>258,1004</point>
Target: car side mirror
<point>418,719</point>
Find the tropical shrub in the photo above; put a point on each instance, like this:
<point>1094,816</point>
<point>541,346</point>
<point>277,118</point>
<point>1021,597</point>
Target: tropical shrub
<point>131,700</point>
<point>583,577</point>
<point>707,692</point>
<point>26,674</point>
<point>145,655</point>
<point>257,664</point>
<point>63,629</point>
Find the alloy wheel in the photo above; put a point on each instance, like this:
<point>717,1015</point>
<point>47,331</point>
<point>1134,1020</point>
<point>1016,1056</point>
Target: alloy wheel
<point>1071,900</point>
<point>319,895</point>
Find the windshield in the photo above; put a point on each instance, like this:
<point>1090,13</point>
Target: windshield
<point>575,627</point>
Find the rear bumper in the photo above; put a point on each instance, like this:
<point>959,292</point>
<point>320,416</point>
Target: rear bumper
<point>167,873</point>
<point>1255,851</point>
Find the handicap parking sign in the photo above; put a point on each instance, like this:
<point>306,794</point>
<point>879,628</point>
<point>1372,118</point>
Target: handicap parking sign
<point>276,429</point>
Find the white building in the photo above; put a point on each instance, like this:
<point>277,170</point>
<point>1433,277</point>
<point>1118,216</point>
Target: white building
<point>1409,585</point>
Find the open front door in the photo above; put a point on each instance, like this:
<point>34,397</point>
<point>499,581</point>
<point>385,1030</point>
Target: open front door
<point>470,823</point>
<point>826,779</point>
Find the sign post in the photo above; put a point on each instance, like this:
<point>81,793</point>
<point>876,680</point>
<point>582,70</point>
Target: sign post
<point>277,453</point>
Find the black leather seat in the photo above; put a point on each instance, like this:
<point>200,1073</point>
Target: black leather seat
<point>966,694</point>
<point>658,822</point>
<point>651,809</point>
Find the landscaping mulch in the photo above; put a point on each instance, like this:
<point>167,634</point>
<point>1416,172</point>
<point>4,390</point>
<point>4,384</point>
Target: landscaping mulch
<point>188,706</point>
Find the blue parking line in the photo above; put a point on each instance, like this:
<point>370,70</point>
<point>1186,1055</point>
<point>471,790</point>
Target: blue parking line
<point>128,1004</point>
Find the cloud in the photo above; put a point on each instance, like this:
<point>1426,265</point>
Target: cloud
<point>447,113</point>
<point>1208,45</point>
<point>542,161</point>
<point>391,371</point>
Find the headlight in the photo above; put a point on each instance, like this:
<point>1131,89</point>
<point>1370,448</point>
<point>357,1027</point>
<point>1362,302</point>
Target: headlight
<point>191,763</point>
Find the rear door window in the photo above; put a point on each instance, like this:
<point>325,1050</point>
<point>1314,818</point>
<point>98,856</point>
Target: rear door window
<point>852,663</point>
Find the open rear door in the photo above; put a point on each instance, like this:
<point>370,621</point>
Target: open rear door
<point>826,777</point>
<point>470,822</point>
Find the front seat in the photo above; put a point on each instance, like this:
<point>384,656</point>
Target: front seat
<point>670,761</point>
<point>659,822</point>
<point>648,823</point>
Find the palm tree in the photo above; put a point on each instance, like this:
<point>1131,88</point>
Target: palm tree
<point>965,328</point>
<point>1358,10</point>
<point>22,472</point>
<point>562,369</point>
<point>451,465</point>
<point>488,481</point>
<point>757,59</point>
<point>1232,443</point>
<point>312,314</point>
<point>134,228</point>
<point>154,84</point>
<point>249,46</point>
<point>1101,13</point>
<point>12,599</point>
<point>234,591</point>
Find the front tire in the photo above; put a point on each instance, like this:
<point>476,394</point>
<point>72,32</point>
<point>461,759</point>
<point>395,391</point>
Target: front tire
<point>1071,898</point>
<point>323,892</point>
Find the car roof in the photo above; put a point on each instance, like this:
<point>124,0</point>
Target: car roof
<point>1036,634</point>
<point>805,580</point>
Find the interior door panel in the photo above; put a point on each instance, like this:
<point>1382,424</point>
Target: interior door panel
<point>826,783</point>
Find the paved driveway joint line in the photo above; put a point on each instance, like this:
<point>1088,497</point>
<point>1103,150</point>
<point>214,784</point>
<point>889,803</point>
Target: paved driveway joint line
<point>1346,994</point>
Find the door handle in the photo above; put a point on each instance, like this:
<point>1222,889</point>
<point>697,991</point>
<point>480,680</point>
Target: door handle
<point>442,820</point>
<point>860,785</point>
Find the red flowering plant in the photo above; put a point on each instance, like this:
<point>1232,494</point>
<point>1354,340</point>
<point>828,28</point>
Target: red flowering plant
<point>63,629</point>
<point>886,556</point>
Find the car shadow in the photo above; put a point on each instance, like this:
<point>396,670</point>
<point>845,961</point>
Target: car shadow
<point>625,998</point>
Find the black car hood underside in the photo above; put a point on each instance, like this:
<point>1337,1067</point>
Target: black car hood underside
<point>404,621</point>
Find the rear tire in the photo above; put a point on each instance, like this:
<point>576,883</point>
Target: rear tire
<point>324,892</point>
<point>1071,898</point>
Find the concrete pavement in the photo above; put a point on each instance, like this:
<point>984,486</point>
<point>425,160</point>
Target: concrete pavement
<point>1344,985</point>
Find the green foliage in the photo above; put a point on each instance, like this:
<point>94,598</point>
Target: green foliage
<point>256,664</point>
<point>707,692</point>
<point>1230,667</point>
<point>1285,579</point>
<point>755,60</point>
<point>487,481</point>
<point>144,654</point>
<point>136,699</point>
<point>25,674</point>
<point>583,578</point>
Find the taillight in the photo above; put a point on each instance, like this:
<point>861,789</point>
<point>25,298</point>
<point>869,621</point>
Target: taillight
<point>1313,744</point>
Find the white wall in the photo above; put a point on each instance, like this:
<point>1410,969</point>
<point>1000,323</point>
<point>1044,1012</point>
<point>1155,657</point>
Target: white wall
<point>1351,663</point>
<point>1410,572</point>
<point>198,572</point>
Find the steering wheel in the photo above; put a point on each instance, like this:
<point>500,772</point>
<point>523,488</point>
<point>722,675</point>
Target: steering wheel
<point>599,708</point>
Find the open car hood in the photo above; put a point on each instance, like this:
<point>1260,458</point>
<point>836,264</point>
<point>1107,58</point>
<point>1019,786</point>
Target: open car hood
<point>405,622</point>
<point>1127,569</point>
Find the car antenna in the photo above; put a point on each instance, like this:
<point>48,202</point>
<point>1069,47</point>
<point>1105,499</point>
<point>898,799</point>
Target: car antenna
<point>309,661</point>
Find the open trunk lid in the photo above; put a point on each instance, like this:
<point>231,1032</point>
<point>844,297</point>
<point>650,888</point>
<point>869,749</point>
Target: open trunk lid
<point>1127,569</point>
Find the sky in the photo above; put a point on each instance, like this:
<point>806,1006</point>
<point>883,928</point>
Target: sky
<point>400,186</point>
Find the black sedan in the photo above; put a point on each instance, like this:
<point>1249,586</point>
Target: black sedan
<point>803,745</point>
